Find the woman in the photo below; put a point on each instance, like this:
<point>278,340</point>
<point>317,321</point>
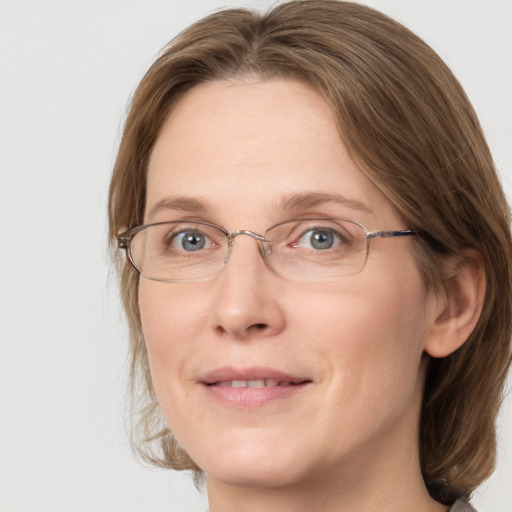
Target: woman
<point>318,282</point>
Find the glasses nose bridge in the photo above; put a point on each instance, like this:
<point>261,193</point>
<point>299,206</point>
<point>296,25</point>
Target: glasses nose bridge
<point>259,238</point>
<point>252,234</point>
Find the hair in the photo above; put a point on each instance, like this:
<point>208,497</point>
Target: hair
<point>408,124</point>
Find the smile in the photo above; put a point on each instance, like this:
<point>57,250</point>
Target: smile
<point>257,383</point>
<point>251,387</point>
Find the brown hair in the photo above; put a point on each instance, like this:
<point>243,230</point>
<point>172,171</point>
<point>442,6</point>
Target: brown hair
<point>409,125</point>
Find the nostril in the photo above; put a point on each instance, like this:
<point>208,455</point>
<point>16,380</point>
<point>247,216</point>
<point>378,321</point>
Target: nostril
<point>260,326</point>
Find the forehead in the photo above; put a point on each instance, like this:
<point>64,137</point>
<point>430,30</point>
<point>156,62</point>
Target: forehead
<point>247,145</point>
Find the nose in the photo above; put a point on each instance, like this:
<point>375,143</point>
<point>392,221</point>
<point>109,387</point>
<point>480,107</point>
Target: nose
<point>246,303</point>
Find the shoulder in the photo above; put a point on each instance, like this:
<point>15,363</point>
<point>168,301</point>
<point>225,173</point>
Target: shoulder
<point>461,506</point>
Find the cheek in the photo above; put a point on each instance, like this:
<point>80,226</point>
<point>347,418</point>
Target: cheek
<point>170,325</point>
<point>371,337</point>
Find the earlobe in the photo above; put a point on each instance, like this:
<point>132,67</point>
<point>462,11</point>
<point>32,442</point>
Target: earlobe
<point>457,311</point>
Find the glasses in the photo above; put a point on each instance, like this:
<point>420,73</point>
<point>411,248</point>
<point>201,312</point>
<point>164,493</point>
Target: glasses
<point>316,249</point>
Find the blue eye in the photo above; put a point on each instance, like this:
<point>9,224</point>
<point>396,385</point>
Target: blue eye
<point>190,241</point>
<point>319,239</point>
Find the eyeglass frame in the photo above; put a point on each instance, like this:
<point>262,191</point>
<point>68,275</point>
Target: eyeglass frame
<point>125,238</point>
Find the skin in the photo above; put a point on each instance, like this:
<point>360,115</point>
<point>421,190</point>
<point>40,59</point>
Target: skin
<point>348,440</point>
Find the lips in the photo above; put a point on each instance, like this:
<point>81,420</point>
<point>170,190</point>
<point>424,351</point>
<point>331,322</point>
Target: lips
<point>256,377</point>
<point>251,387</point>
<point>255,383</point>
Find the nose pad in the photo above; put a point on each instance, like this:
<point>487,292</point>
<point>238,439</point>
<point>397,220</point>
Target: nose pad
<point>229,251</point>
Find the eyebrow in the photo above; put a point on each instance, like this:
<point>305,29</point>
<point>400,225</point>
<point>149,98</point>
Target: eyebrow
<point>297,202</point>
<point>180,203</point>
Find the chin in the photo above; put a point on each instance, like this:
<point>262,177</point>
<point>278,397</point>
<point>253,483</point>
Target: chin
<point>253,464</point>
<point>244,474</point>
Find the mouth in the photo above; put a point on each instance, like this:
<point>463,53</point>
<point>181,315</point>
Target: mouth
<point>253,387</point>
<point>255,377</point>
<point>257,383</point>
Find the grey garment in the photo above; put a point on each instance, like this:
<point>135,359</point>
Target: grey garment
<point>461,506</point>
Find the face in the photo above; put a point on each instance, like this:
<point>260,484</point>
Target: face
<point>341,361</point>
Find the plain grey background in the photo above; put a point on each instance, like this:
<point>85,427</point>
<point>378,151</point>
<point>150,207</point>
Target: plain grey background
<point>67,70</point>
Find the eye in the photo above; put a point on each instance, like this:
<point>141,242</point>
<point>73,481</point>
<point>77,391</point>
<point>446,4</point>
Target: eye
<point>190,241</point>
<point>319,239</point>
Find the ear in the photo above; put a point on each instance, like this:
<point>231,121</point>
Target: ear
<point>457,310</point>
